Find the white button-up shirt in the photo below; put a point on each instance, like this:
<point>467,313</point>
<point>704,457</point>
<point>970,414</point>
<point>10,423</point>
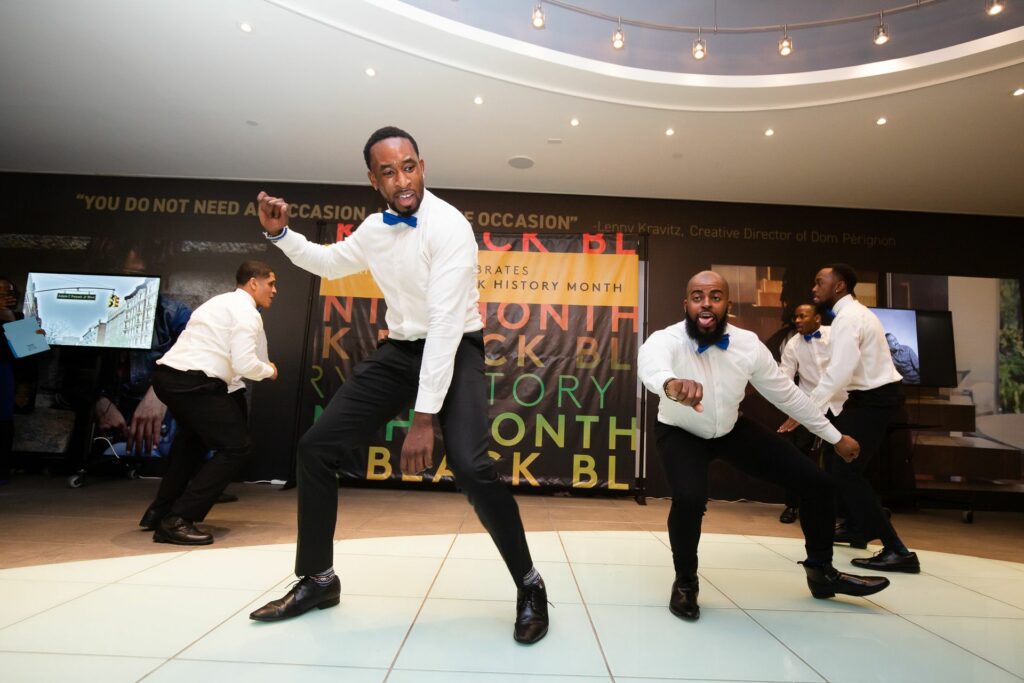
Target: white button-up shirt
<point>224,338</point>
<point>427,275</point>
<point>860,355</point>
<point>809,359</point>
<point>671,353</point>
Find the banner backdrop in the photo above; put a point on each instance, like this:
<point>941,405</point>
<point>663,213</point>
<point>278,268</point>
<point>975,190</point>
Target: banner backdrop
<point>561,318</point>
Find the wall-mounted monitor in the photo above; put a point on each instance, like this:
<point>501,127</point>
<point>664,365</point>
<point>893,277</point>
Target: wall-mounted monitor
<point>921,344</point>
<point>101,311</point>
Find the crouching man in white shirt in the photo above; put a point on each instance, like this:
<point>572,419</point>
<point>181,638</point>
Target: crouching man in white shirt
<point>423,256</point>
<point>200,381</point>
<point>700,368</point>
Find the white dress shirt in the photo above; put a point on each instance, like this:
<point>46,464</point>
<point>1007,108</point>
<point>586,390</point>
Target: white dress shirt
<point>809,359</point>
<point>427,275</point>
<point>672,354</point>
<point>860,355</point>
<point>224,338</point>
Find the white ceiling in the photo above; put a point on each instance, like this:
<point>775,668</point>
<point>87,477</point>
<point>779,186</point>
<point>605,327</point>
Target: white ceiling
<point>173,88</point>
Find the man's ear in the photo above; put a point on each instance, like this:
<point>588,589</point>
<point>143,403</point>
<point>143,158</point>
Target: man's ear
<point>373,180</point>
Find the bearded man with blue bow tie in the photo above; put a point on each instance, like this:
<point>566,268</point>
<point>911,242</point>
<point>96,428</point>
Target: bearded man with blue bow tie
<point>423,256</point>
<point>700,368</point>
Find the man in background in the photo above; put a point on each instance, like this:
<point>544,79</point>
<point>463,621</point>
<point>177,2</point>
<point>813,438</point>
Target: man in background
<point>804,359</point>
<point>200,381</point>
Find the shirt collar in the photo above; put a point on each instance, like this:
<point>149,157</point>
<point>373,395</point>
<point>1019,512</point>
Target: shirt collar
<point>842,303</point>
<point>247,296</point>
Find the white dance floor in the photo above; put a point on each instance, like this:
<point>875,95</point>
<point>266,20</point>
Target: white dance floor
<point>440,609</point>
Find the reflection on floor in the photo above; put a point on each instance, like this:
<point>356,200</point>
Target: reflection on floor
<point>439,608</point>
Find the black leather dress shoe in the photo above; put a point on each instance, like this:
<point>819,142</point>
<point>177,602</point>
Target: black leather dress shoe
<point>178,530</point>
<point>531,613</point>
<point>824,582</point>
<point>843,535</point>
<point>304,596</point>
<point>151,517</point>
<point>889,561</point>
<point>683,602</point>
<point>788,515</point>
<point>227,498</point>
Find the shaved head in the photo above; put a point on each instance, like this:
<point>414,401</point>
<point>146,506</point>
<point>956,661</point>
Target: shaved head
<point>706,281</point>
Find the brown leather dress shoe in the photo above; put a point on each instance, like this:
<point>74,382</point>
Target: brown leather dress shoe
<point>180,531</point>
<point>531,613</point>
<point>683,602</point>
<point>825,581</point>
<point>889,561</point>
<point>304,596</point>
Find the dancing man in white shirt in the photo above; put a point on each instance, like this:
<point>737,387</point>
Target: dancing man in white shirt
<point>423,256</point>
<point>200,381</point>
<point>804,358</point>
<point>862,365</point>
<point>699,368</point>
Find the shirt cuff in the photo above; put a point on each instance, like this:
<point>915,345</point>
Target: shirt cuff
<point>428,401</point>
<point>274,238</point>
<point>831,435</point>
<point>658,380</point>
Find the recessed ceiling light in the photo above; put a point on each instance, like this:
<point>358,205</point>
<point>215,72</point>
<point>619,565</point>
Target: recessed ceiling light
<point>1018,92</point>
<point>769,133</point>
<point>554,141</point>
<point>478,100</point>
<point>574,122</point>
<point>995,7</point>
<point>670,131</point>
<point>245,27</point>
<point>882,121</point>
<point>520,162</point>
<point>370,71</point>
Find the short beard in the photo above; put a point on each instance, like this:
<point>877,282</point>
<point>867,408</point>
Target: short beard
<point>705,338</point>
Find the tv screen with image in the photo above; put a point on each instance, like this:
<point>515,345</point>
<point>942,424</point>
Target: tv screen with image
<point>921,344</point>
<point>101,311</point>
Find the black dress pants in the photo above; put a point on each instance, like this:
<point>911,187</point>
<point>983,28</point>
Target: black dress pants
<point>756,451</point>
<point>805,442</point>
<point>866,416</point>
<point>208,418</point>
<point>379,388</point>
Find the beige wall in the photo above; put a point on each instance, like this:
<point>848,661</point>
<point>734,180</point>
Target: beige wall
<point>974,302</point>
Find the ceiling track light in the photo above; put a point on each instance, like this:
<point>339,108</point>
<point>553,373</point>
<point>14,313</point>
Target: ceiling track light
<point>994,7</point>
<point>700,47</point>
<point>881,31</point>
<point>619,37</point>
<point>537,17</point>
<point>786,44</point>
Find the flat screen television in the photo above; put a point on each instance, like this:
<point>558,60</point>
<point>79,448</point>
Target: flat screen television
<point>921,344</point>
<point>94,310</point>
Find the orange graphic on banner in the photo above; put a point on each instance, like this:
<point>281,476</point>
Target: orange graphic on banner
<point>532,278</point>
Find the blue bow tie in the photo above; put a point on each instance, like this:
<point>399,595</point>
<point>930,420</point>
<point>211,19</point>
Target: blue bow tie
<point>809,337</point>
<point>393,219</point>
<point>722,343</point>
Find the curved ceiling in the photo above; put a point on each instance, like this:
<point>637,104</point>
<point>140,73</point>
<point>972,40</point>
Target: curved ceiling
<point>174,88</point>
<point>932,26</point>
